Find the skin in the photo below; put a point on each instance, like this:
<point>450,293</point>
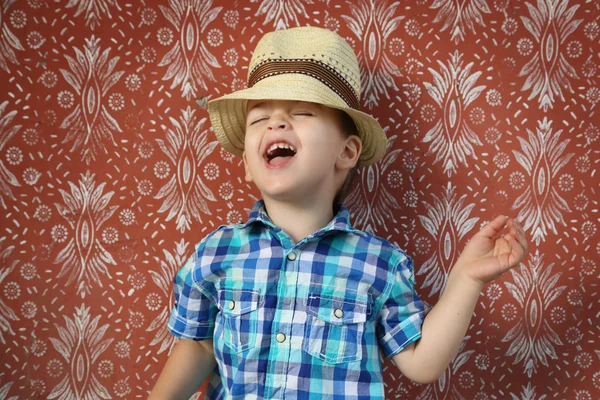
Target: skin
<point>488,255</point>
<point>188,366</point>
<point>299,199</point>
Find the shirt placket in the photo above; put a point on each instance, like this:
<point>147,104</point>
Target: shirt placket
<point>283,320</point>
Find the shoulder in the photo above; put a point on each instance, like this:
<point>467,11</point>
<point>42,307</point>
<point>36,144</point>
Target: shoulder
<point>391,253</point>
<point>224,234</point>
<point>393,262</point>
<point>212,250</point>
<point>376,242</point>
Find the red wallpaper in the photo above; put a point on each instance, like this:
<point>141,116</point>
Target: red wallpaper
<point>109,173</point>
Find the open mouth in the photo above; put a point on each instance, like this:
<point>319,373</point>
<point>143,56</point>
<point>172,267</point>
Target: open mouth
<point>279,153</point>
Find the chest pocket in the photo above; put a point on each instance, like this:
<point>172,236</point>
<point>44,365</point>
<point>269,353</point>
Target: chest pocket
<point>239,317</point>
<point>335,327</point>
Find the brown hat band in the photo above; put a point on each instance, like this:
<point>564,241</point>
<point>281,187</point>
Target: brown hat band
<point>313,68</point>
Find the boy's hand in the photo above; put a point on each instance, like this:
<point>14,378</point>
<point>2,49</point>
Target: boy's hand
<point>489,254</point>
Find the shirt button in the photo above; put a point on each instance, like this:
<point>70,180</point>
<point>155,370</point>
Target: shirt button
<point>231,305</point>
<point>338,313</point>
<point>280,337</point>
<point>291,256</point>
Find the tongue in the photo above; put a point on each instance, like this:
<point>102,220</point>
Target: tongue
<point>277,161</point>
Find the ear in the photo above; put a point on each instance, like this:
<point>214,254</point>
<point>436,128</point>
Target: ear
<point>350,154</point>
<point>248,177</point>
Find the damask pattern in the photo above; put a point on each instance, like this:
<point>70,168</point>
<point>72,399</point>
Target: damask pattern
<point>110,173</point>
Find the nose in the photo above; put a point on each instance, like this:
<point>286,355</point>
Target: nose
<point>277,121</point>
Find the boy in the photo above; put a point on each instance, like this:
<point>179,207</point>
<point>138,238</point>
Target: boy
<point>295,303</point>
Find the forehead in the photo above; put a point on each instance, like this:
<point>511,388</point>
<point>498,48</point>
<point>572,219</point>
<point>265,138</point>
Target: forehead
<point>268,104</point>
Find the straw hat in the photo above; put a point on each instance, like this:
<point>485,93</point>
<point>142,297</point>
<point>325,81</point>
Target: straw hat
<point>303,64</point>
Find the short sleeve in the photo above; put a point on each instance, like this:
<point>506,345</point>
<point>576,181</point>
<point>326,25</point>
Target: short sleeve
<point>403,312</point>
<point>193,315</point>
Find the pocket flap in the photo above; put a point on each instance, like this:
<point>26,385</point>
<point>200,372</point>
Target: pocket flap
<point>338,311</point>
<point>238,301</point>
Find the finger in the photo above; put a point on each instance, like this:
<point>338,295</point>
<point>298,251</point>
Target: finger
<point>519,227</point>
<point>493,227</point>
<point>519,234</point>
<point>513,223</point>
<point>519,248</point>
<point>512,254</point>
<point>522,240</point>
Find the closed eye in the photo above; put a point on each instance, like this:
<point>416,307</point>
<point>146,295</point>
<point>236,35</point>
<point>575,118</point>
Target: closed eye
<point>258,120</point>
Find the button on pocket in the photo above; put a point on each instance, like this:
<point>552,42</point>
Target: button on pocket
<point>239,318</point>
<point>335,327</point>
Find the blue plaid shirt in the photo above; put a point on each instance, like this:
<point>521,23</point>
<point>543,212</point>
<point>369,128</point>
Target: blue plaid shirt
<point>302,320</point>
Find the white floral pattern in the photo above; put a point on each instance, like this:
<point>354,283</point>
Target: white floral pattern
<point>170,263</point>
<point>90,126</point>
<point>189,61</point>
<point>540,205</point>
<point>93,10</point>
<point>453,89</point>
<point>84,259</point>
<point>372,23</point>
<point>8,41</point>
<point>282,13</point>
<point>548,72</point>
<point>460,16</point>
<point>8,316</point>
<point>186,195</point>
<point>81,341</point>
<point>532,340</point>
<point>447,221</point>
<point>7,132</point>
<point>371,202</point>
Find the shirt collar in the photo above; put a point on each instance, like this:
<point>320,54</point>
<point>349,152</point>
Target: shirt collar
<point>340,221</point>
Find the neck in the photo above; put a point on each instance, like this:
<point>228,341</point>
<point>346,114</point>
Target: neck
<point>299,220</point>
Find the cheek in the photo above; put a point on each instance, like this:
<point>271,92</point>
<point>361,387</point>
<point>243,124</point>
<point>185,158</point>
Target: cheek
<point>251,144</point>
<point>326,142</point>
<point>253,158</point>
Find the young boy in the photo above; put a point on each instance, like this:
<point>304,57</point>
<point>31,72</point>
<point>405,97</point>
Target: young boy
<point>295,303</point>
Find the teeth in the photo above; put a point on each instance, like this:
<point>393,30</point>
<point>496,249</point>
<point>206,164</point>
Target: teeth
<point>280,146</point>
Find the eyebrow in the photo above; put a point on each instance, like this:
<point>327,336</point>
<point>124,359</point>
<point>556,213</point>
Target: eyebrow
<point>257,105</point>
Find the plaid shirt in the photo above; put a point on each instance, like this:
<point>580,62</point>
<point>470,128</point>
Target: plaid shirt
<point>297,321</point>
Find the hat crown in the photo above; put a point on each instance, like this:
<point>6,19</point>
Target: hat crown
<point>309,43</point>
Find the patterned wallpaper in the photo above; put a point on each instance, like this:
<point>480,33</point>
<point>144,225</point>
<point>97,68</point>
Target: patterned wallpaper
<point>110,173</point>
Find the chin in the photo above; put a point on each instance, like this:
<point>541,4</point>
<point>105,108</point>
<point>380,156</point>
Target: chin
<point>280,193</point>
<point>282,190</point>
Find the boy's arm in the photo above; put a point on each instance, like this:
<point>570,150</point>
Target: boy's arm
<point>488,255</point>
<point>188,366</point>
<point>192,317</point>
<point>443,330</point>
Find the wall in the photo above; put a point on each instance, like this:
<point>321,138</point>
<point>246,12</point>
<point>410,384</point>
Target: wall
<point>109,173</point>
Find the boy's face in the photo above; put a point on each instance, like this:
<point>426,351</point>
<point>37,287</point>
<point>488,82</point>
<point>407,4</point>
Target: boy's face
<point>296,150</point>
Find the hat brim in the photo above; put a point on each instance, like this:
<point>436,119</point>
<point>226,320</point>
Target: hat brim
<point>228,113</point>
